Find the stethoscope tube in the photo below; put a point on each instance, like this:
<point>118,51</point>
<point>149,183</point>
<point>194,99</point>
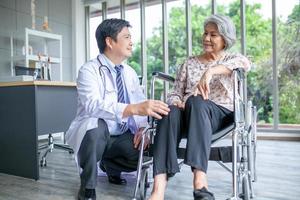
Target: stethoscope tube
<point>102,75</point>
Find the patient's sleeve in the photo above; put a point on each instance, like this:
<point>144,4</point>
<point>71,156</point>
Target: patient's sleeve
<point>235,60</point>
<point>179,86</point>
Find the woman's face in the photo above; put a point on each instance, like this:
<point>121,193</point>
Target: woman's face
<point>212,41</point>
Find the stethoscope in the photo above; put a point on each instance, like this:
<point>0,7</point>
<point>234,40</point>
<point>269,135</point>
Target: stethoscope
<point>102,75</point>
<point>100,67</point>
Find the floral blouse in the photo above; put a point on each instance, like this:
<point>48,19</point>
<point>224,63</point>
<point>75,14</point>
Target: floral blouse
<point>221,86</point>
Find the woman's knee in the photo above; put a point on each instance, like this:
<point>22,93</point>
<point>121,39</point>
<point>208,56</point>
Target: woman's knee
<point>196,101</point>
<point>167,123</point>
<point>174,112</point>
<point>173,115</point>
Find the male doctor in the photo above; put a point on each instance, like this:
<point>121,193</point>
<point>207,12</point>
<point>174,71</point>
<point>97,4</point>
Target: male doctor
<point>111,110</point>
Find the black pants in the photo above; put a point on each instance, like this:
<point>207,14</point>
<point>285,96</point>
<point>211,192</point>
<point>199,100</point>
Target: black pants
<point>116,152</point>
<point>198,121</point>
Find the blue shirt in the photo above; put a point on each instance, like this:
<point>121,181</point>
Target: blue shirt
<point>131,123</point>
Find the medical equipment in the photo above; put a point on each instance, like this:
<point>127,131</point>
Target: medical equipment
<point>102,75</point>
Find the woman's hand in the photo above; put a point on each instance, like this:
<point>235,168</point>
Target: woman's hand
<point>203,85</point>
<point>179,104</point>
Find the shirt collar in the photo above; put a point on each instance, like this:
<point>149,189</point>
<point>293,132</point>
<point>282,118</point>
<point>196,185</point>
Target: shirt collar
<point>110,64</point>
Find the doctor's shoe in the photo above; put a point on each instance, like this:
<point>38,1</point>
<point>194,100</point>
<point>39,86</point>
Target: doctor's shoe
<point>86,194</point>
<point>203,194</point>
<point>116,180</point>
<point>101,165</point>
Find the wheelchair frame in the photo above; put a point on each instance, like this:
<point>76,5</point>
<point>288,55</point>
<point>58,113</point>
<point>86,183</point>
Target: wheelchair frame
<point>243,149</point>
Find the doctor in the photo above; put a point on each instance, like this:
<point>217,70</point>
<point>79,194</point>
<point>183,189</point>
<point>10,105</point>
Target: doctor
<point>111,110</point>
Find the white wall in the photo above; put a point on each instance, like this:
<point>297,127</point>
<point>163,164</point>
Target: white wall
<point>78,37</point>
<point>15,16</point>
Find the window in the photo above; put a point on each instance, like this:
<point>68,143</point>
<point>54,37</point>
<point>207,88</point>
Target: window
<point>200,11</point>
<point>154,37</point>
<point>132,14</point>
<point>258,45</point>
<point>259,31</point>
<point>95,19</point>
<point>288,62</point>
<point>113,9</point>
<point>176,34</point>
<point>231,8</point>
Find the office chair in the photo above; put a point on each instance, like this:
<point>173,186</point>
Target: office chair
<point>49,148</point>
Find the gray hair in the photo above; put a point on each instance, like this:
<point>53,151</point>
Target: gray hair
<point>226,28</point>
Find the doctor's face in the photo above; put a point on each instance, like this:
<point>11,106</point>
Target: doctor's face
<point>123,45</point>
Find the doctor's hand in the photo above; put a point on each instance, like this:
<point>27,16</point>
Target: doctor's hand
<point>138,138</point>
<point>153,108</point>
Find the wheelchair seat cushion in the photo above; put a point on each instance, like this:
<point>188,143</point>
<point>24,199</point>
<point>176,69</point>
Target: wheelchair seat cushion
<point>203,194</point>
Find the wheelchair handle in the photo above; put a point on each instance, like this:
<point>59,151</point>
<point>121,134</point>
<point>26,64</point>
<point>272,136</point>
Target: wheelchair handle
<point>163,76</point>
<point>240,73</point>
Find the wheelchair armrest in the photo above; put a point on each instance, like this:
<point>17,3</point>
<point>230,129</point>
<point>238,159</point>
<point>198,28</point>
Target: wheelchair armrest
<point>163,76</point>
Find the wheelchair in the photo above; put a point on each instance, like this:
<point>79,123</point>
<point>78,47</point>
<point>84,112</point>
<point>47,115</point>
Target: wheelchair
<point>242,152</point>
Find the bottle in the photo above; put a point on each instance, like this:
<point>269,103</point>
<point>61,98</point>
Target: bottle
<point>49,69</point>
<point>43,67</point>
<point>35,74</point>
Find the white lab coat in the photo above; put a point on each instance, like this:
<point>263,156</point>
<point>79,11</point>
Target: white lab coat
<point>97,98</point>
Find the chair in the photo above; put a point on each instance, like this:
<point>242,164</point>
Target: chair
<point>242,152</point>
<point>49,148</point>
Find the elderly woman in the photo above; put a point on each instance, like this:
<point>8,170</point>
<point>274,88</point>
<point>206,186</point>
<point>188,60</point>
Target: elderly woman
<point>201,103</point>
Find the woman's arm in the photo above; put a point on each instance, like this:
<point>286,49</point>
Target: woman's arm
<point>224,67</point>
<point>203,85</point>
<point>175,97</point>
<point>235,60</point>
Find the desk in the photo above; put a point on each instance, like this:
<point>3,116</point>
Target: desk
<point>29,109</point>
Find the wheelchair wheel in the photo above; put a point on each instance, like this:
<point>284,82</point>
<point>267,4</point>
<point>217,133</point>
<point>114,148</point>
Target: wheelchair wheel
<point>143,186</point>
<point>245,195</point>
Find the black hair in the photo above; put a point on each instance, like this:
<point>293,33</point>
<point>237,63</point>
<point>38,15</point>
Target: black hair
<point>109,28</point>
